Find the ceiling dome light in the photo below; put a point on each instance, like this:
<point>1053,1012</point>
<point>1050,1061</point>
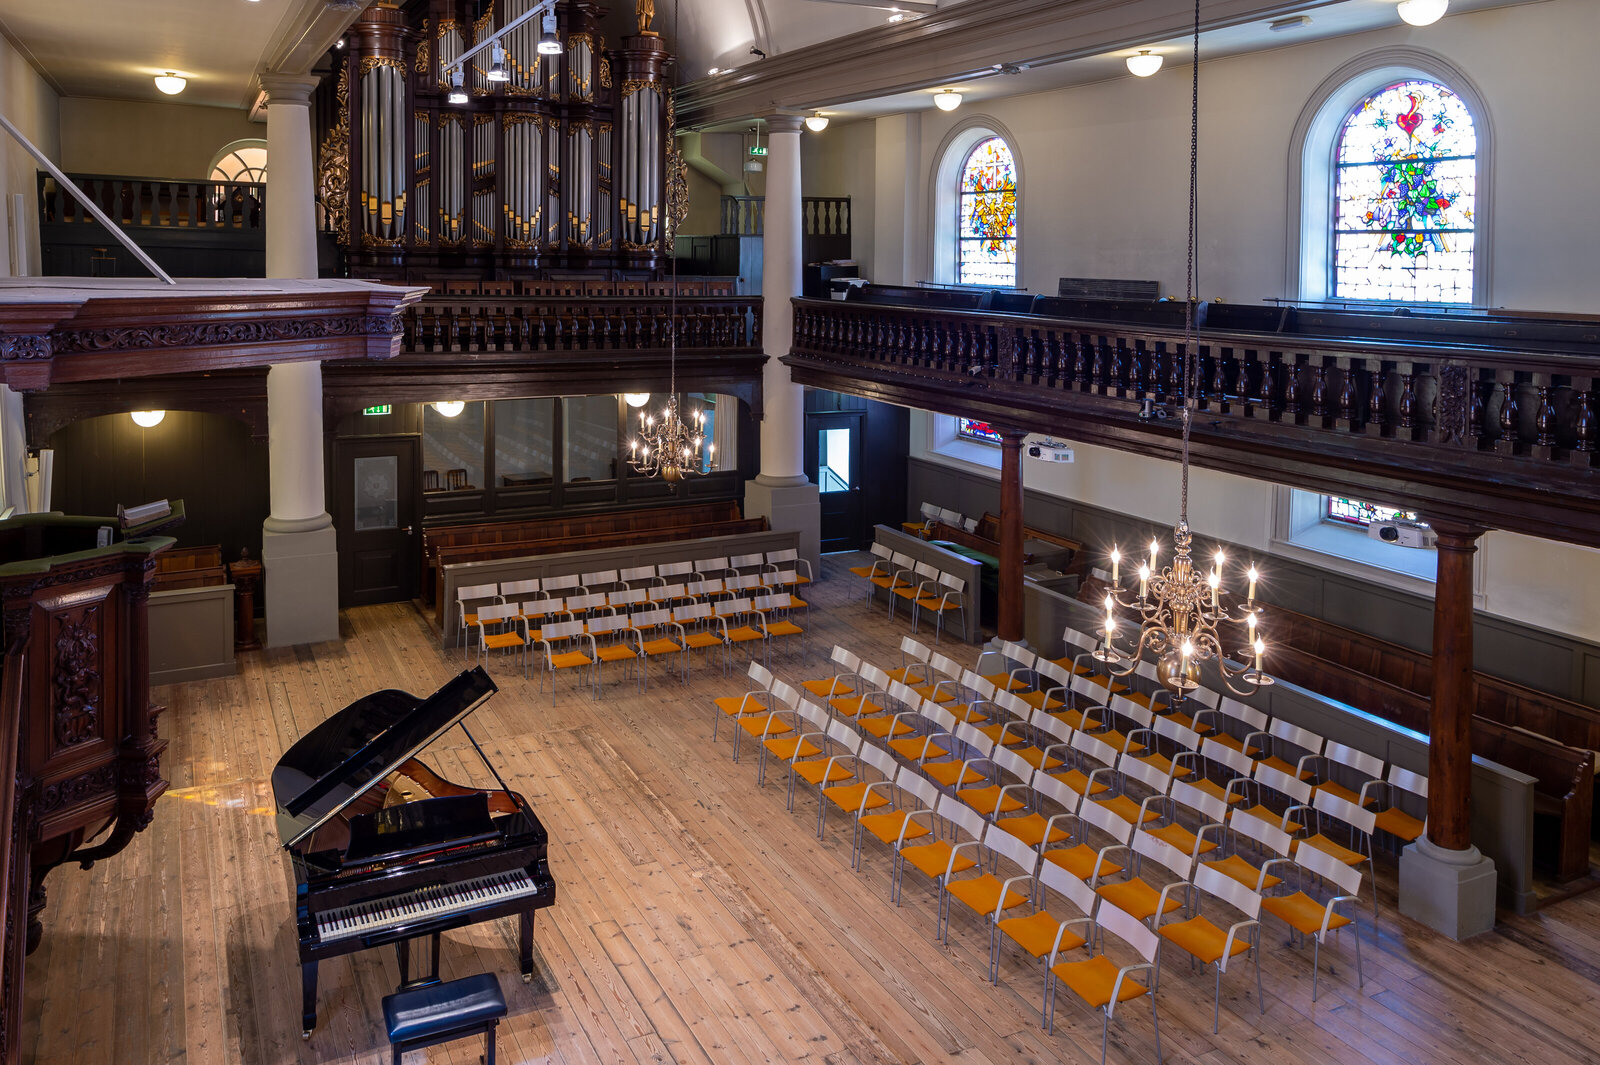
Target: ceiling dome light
<point>147,419</point>
<point>713,72</point>
<point>947,99</point>
<point>450,408</point>
<point>817,122</point>
<point>636,399</point>
<point>549,43</point>
<point>172,84</point>
<point>1144,64</point>
<point>1422,12</point>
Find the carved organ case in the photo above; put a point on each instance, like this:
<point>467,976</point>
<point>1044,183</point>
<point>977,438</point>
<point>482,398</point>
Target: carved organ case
<point>562,165</point>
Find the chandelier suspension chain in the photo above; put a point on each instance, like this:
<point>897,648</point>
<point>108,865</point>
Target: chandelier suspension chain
<point>1190,361</point>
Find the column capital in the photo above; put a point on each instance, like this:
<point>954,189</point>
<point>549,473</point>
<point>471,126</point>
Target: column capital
<point>289,88</point>
<point>1010,437</point>
<point>1456,535</point>
<point>784,123</point>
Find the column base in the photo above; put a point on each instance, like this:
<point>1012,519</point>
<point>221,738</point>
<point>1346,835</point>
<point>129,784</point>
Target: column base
<point>302,586</point>
<point>1450,891</point>
<point>789,506</point>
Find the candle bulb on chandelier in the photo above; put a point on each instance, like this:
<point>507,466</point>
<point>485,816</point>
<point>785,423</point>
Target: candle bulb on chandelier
<point>1260,648</point>
<point>1116,561</point>
<point>1111,627</point>
<point>1144,581</point>
<point>1252,595</point>
<point>1250,620</point>
<point>1215,580</point>
<point>1155,549</point>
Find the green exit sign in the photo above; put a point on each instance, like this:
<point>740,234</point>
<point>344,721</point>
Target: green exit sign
<point>758,149</point>
<point>382,408</point>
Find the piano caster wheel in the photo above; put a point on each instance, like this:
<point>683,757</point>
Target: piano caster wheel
<point>527,978</point>
<point>306,1034</point>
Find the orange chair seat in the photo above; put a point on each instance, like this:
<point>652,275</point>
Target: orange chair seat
<point>783,628</point>
<point>1187,721</point>
<point>1004,681</point>
<point>1284,767</point>
<point>1327,846</point>
<point>1302,913</point>
<point>763,727</point>
<point>662,646</point>
<point>888,826</point>
<point>827,689</point>
<point>1036,757</point>
<point>1080,861</point>
<point>983,800</point>
<point>1137,898</point>
<point>1078,781</point>
<point>913,748</point>
<point>889,582</point>
<point>933,858</point>
<point>1233,742</point>
<point>734,705</point>
<point>905,671</point>
<point>813,772</point>
<point>1182,838</point>
<point>883,726</point>
<point>1127,809</point>
<point>906,591</point>
<point>1079,719</point>
<point>945,773</point>
<point>744,634</point>
<point>570,660</point>
<point>1236,868</point>
<point>849,796</point>
<point>1220,791</point>
<point>1038,700</point>
<point>862,571</point>
<point>1030,829</point>
<point>1333,787</point>
<point>1094,980</point>
<point>703,639</point>
<point>1036,933</point>
<point>496,641</point>
<point>993,730</point>
<point>1202,939</point>
<point>784,747</point>
<point>934,692</point>
<point>1397,822</point>
<point>939,604</point>
<point>1157,761</point>
<point>853,705</point>
<point>1271,818</point>
<point>965,712</point>
<point>982,893</point>
<point>615,652</point>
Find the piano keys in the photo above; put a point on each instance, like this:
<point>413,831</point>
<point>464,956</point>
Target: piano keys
<point>385,850</point>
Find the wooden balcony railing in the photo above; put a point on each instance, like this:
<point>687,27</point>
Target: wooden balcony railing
<point>152,202</point>
<point>535,323</point>
<point>1472,422</point>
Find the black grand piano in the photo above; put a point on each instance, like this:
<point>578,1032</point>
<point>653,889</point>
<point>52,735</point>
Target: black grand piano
<point>387,851</point>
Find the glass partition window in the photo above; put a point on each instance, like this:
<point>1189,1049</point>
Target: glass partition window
<point>452,449</point>
<point>833,460</point>
<point>591,444</point>
<point>524,441</point>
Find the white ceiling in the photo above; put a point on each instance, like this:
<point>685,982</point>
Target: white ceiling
<point>113,48</point>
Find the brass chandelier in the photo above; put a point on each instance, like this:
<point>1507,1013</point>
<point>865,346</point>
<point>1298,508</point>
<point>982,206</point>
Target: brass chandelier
<point>1181,611</point>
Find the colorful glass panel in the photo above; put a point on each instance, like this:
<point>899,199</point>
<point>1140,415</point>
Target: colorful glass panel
<point>986,237</point>
<point>973,429</point>
<point>1404,197</point>
<point>1355,512</point>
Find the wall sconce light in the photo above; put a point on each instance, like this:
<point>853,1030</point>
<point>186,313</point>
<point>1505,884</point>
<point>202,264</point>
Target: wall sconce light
<point>147,419</point>
<point>947,99</point>
<point>1144,64</point>
<point>450,408</point>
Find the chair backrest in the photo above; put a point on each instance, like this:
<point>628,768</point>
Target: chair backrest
<point>879,759</point>
<point>949,516</point>
<point>1148,845</point>
<point>1129,929</point>
<point>608,623</point>
<point>1013,763</point>
<point>1224,887</point>
<point>693,612</point>
<point>962,816</point>
<point>1092,746</point>
<point>1051,675</point>
<point>1012,704</point>
<point>903,561</point>
<point>919,787</point>
<point>499,612</point>
<point>564,630</point>
<point>784,692</point>
<point>1302,738</point>
<point>674,569</point>
<point>1011,849</point>
<point>599,577</point>
<point>638,573</point>
<point>945,666</point>
<point>1367,766</point>
<point>643,619</point>
<point>927,571</point>
<point>814,715</point>
<point>970,736</point>
<point>1340,809</point>
<point>1264,832</point>
<point>627,596</point>
<point>952,584</point>
<point>536,608</point>
<point>1213,809</point>
<point>770,602</point>
<point>1048,787</point>
<point>788,554</point>
<point>880,550</point>
<point>974,683</point>
<point>1063,883</point>
<point>874,678</point>
<point>761,675</point>
<point>1205,697</point>
<point>1077,640</point>
<point>592,601</point>
<point>843,656</point>
<point>840,732</point>
<point>943,720</point>
<point>1102,817</point>
<point>904,694</point>
<point>734,606</point>
<point>1406,780</point>
<point>746,561</point>
<point>561,583</point>
<point>514,589</point>
<point>1130,710</point>
<point>1220,753</point>
<point>1054,727</point>
<point>741,581</point>
<point>1346,877</point>
<point>1145,773</point>
<point>1168,729</point>
<point>929,511</point>
<point>784,576</point>
<point>910,648</point>
<point>477,591</point>
<point>1024,657</point>
<point>711,565</point>
<point>1252,719</point>
<point>708,586</point>
<point>1297,790</point>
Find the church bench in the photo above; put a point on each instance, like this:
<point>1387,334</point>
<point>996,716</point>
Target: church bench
<point>1562,798</point>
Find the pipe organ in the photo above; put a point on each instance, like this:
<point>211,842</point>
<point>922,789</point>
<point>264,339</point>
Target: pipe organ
<point>562,165</point>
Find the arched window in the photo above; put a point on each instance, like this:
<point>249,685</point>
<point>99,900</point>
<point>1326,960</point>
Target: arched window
<point>986,226</point>
<point>241,161</point>
<point>1404,203</point>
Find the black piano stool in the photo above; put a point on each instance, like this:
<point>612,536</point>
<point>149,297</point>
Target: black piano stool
<point>438,1013</point>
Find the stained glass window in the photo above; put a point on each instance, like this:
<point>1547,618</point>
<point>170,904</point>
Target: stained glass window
<point>972,429</point>
<point>1355,512</point>
<point>1404,197</point>
<point>986,233</point>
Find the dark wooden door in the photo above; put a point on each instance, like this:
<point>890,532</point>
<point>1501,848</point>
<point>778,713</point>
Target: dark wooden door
<point>377,498</point>
<point>833,461</point>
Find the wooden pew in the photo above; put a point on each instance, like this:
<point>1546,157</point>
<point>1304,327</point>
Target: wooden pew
<point>676,516</point>
<point>190,567</point>
<point>985,537</point>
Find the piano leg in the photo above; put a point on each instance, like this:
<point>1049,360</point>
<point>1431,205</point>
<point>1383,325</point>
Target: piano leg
<point>526,946</point>
<point>308,998</point>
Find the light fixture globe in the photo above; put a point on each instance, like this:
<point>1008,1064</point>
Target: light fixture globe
<point>170,83</point>
<point>1422,12</point>
<point>1144,64</point>
<point>817,122</point>
<point>947,99</point>
<point>450,408</point>
<point>636,399</point>
<point>147,419</point>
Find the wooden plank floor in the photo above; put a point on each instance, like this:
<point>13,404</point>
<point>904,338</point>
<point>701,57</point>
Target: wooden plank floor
<point>696,921</point>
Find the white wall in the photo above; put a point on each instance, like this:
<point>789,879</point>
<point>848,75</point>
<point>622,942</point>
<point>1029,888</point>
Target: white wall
<point>842,161</point>
<point>135,138</point>
<point>1103,164</point>
<point>1535,582</point>
<point>31,105</point>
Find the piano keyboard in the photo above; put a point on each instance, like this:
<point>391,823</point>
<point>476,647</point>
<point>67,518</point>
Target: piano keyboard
<point>422,905</point>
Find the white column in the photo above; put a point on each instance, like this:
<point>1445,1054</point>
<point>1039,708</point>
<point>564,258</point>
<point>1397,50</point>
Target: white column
<point>13,452</point>
<point>298,544</point>
<point>781,492</point>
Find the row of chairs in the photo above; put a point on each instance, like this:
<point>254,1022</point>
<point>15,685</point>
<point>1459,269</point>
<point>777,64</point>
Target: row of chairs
<point>944,773</point>
<point>921,585</point>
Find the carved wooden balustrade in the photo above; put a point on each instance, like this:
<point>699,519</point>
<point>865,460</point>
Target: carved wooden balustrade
<point>1465,424</point>
<point>441,324</point>
<point>137,201</point>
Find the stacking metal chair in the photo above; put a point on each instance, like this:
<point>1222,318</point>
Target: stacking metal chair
<point>1100,982</point>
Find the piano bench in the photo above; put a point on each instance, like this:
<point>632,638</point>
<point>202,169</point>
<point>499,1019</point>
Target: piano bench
<point>437,1013</point>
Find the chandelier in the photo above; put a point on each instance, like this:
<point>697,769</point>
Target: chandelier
<point>1181,609</point>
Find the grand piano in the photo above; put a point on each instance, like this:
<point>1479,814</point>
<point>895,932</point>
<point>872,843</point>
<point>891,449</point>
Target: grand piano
<point>387,851</point>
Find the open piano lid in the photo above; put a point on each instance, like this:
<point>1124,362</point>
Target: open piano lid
<point>338,761</point>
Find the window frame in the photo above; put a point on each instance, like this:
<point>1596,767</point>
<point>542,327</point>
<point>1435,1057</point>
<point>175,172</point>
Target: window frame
<point>1309,262</point>
<point>235,146</point>
<point>961,196</point>
<point>945,201</point>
